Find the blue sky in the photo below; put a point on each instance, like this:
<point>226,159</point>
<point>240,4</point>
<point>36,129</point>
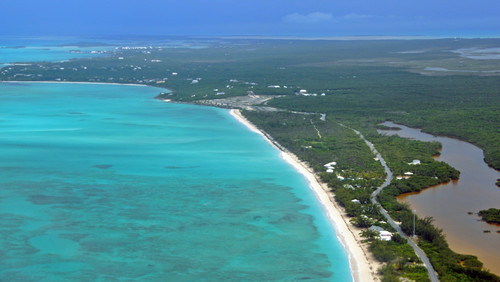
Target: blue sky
<point>255,17</point>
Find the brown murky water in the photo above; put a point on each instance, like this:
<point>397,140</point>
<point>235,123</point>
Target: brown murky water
<point>450,203</point>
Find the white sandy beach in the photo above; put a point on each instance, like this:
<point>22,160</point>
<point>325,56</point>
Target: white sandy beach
<point>363,265</point>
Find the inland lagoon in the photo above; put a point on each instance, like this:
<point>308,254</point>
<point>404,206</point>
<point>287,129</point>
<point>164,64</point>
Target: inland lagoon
<point>104,182</point>
<point>455,205</point>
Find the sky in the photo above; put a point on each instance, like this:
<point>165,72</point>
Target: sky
<point>309,18</point>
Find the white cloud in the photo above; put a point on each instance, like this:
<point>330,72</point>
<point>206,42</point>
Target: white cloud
<point>311,18</point>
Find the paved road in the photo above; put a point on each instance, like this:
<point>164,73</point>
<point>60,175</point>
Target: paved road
<point>373,197</point>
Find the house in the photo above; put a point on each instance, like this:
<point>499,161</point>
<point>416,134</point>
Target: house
<point>329,170</point>
<point>415,162</point>
<point>376,228</point>
<point>383,235</point>
<point>330,164</point>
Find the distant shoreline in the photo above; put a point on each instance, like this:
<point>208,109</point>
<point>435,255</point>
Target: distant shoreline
<point>75,82</point>
<point>363,268</point>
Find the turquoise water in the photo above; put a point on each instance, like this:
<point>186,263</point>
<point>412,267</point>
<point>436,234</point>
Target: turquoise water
<point>31,50</point>
<point>49,54</point>
<point>102,182</point>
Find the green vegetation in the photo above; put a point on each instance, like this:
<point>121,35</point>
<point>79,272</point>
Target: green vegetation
<point>491,215</point>
<point>401,260</point>
<point>397,152</point>
<point>369,80</point>
<point>297,132</point>
<point>356,83</point>
<point>360,175</point>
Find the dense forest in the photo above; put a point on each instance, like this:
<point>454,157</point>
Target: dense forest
<point>356,176</point>
<point>319,86</point>
<point>371,80</point>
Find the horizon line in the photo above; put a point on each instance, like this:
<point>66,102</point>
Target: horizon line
<point>261,37</point>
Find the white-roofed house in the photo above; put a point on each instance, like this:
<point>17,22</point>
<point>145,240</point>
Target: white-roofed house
<point>382,234</point>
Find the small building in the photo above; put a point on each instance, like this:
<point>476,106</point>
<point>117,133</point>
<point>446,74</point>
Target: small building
<point>356,201</point>
<point>409,173</point>
<point>376,228</point>
<point>329,170</point>
<point>330,165</point>
<point>302,91</point>
<point>415,162</point>
<point>383,235</point>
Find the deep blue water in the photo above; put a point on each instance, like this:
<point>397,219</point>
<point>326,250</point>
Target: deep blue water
<point>102,182</point>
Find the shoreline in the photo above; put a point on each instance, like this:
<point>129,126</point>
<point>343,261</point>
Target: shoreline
<point>362,265</point>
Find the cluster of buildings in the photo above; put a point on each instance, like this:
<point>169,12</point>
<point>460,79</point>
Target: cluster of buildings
<point>408,174</point>
<point>330,167</point>
<point>303,92</point>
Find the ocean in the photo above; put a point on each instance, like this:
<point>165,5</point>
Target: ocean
<point>21,50</point>
<point>103,182</point>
